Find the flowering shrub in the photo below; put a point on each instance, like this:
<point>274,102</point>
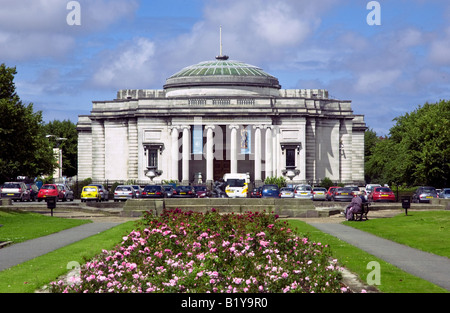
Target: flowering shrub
<point>194,252</point>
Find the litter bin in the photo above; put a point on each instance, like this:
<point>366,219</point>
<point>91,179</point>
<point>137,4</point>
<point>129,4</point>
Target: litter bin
<point>406,204</point>
<point>51,203</point>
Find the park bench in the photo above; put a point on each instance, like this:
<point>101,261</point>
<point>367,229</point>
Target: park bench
<point>363,214</point>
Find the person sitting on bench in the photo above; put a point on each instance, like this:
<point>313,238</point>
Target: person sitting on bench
<point>354,207</point>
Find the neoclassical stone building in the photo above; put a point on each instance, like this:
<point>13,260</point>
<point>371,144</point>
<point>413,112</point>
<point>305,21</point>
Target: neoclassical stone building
<point>220,117</point>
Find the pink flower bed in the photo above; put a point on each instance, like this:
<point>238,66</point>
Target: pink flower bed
<point>193,252</point>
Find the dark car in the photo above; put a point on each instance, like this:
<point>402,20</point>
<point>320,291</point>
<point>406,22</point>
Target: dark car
<point>424,194</point>
<point>270,191</point>
<point>256,193</point>
<point>153,191</point>
<point>33,190</point>
<point>202,192</point>
<point>168,189</point>
<point>184,192</point>
<point>342,194</point>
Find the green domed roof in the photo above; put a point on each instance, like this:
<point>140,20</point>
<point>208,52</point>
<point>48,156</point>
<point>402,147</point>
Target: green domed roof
<point>222,72</point>
<point>220,68</point>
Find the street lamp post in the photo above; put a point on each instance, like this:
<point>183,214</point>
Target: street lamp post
<point>57,152</point>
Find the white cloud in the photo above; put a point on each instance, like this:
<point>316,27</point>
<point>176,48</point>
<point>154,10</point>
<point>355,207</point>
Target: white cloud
<point>132,66</point>
<point>38,28</point>
<point>371,82</point>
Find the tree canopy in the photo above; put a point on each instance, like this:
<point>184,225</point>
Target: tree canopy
<point>24,150</point>
<point>417,150</point>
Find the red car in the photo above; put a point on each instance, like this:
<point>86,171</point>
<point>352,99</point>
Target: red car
<point>330,193</point>
<point>50,190</point>
<point>202,192</point>
<point>381,194</point>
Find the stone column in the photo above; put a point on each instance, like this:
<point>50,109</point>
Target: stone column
<point>209,154</point>
<point>174,154</point>
<point>98,150</point>
<point>233,149</point>
<point>186,153</point>
<point>275,151</point>
<point>269,151</point>
<point>257,154</point>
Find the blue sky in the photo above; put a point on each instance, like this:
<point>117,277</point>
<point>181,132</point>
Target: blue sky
<point>386,70</point>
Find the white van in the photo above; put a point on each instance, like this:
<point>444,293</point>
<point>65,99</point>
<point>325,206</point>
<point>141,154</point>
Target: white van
<point>237,184</point>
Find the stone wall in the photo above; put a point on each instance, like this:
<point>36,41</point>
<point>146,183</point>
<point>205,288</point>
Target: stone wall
<point>282,207</point>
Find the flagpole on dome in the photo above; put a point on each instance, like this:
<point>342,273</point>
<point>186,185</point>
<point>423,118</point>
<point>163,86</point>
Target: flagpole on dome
<point>221,56</point>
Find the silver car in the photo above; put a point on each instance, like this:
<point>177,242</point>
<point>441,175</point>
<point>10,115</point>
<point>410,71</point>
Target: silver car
<point>445,193</point>
<point>319,193</point>
<point>303,192</point>
<point>15,191</point>
<point>138,190</point>
<point>287,192</point>
<point>424,194</point>
<point>124,192</point>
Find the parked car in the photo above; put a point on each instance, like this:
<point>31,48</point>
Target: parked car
<point>355,190</point>
<point>33,190</point>
<point>256,193</point>
<point>369,189</point>
<point>15,191</point>
<point>382,194</point>
<point>342,194</point>
<point>153,191</point>
<point>184,192</point>
<point>303,192</point>
<point>50,190</point>
<point>202,192</point>
<point>168,189</point>
<point>90,193</point>
<point>104,193</point>
<point>330,192</point>
<point>287,192</point>
<point>319,193</point>
<point>445,193</point>
<point>137,190</point>
<point>67,192</point>
<point>124,192</point>
<point>270,191</point>
<point>424,194</point>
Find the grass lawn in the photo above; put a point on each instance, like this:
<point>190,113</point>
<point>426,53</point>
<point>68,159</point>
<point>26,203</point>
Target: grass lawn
<point>21,226</point>
<point>32,275</point>
<point>393,279</point>
<point>424,230</point>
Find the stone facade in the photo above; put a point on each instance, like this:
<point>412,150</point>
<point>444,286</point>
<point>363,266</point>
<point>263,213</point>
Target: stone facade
<point>200,127</point>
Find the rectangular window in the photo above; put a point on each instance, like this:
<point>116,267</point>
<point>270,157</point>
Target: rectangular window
<point>153,157</point>
<point>290,157</point>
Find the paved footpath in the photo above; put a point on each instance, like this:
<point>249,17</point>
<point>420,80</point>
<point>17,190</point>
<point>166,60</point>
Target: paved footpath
<point>433,268</point>
<point>24,251</point>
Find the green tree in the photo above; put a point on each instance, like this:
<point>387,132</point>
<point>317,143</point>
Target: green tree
<point>69,147</point>
<point>279,181</point>
<point>24,150</point>
<point>417,152</point>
